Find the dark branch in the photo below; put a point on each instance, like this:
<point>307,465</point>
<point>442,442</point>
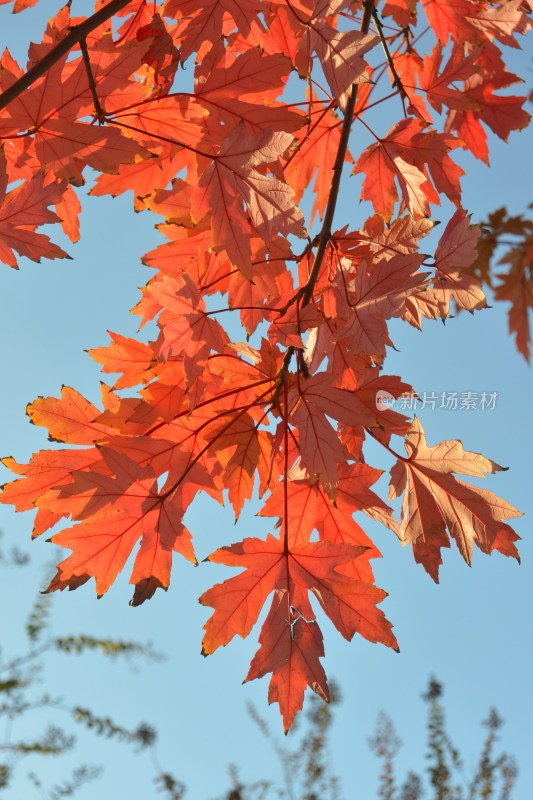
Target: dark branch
<point>98,110</point>
<point>325,232</point>
<point>77,34</point>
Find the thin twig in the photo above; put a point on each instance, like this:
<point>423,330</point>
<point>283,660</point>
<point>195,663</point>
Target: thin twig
<point>99,111</point>
<point>397,82</point>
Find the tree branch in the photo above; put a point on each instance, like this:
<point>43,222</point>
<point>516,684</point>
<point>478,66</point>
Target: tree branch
<point>76,35</point>
<point>306,292</point>
<point>325,232</point>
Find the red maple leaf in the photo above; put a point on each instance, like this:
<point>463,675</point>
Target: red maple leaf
<point>291,573</point>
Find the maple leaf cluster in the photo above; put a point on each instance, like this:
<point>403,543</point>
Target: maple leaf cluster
<point>224,150</point>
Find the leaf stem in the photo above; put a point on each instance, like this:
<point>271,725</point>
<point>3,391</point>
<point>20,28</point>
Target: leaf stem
<point>405,459</point>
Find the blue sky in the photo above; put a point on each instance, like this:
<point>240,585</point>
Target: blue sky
<point>472,631</point>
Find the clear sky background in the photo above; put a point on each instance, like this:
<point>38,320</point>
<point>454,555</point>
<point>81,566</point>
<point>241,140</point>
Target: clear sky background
<point>473,631</point>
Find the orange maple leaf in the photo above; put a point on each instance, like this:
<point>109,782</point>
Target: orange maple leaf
<point>376,293</point>
<point>117,510</point>
<point>410,156</point>
<point>22,210</point>
<point>232,179</point>
<point>205,24</point>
